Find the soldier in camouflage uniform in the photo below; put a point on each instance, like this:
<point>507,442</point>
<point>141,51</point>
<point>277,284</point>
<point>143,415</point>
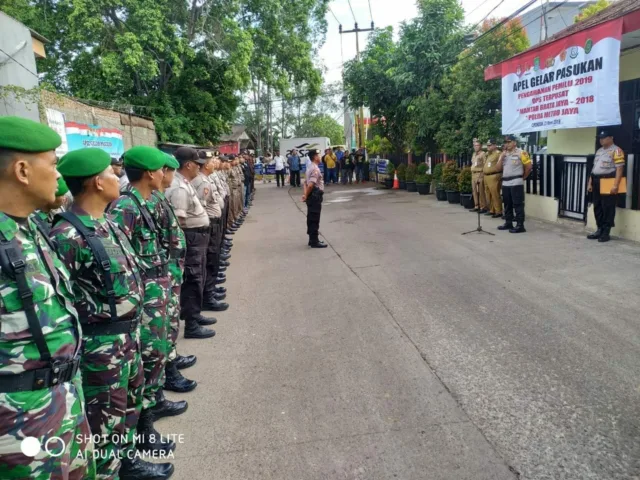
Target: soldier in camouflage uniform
<point>41,390</point>
<point>132,212</point>
<point>43,217</point>
<point>175,244</point>
<point>109,302</point>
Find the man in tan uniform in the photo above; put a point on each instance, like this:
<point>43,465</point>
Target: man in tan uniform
<point>477,181</point>
<point>492,178</point>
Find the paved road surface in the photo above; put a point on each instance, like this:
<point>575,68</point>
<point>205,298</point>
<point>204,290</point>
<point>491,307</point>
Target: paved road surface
<point>420,353</point>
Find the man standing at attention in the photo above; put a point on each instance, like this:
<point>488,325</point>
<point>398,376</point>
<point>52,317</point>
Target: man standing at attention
<point>294,168</point>
<point>477,177</point>
<point>516,167</point>
<point>492,171</point>
<point>313,193</point>
<point>331,163</point>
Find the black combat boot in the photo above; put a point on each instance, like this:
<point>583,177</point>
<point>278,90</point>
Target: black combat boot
<point>224,263</point>
<point>185,361</point>
<point>219,296</point>
<point>595,235</point>
<point>213,305</point>
<point>167,408</point>
<point>149,438</point>
<point>220,289</point>
<point>221,276</point>
<point>519,229</point>
<point>193,329</point>
<point>138,469</point>
<point>506,226</point>
<point>222,269</point>
<point>225,256</point>
<point>176,382</point>
<point>605,235</point>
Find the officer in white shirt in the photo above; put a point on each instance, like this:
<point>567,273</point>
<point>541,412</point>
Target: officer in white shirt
<point>279,161</point>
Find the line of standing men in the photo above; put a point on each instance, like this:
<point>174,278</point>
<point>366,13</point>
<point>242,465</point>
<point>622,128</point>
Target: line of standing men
<point>90,299</point>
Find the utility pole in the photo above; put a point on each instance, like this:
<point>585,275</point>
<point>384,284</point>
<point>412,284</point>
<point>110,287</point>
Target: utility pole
<point>359,118</point>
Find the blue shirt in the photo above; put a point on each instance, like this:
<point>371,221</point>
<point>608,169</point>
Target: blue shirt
<point>339,155</point>
<point>294,162</point>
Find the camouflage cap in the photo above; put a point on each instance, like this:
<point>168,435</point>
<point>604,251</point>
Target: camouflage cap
<point>27,136</point>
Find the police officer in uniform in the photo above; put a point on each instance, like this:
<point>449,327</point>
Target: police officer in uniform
<point>516,166</point>
<point>195,224</point>
<point>313,193</point>
<point>108,294</point>
<point>209,198</point>
<point>40,390</point>
<point>118,169</point>
<point>609,163</point>
<point>477,177</point>
<point>133,212</point>
<point>492,175</point>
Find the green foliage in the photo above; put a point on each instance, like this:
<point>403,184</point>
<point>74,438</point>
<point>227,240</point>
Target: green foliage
<point>402,172</point>
<point>379,145</point>
<point>450,173</point>
<point>422,169</point>
<point>391,168</point>
<point>423,178</point>
<point>412,171</point>
<point>591,10</point>
<point>464,180</point>
<point>437,174</point>
<point>321,125</point>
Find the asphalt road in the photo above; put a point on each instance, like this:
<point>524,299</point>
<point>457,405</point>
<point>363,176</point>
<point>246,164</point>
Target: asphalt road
<point>408,351</point>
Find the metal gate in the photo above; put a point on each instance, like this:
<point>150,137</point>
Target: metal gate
<point>573,197</point>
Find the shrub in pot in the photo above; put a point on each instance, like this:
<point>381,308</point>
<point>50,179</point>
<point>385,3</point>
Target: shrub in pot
<point>410,178</point>
<point>391,170</point>
<point>450,173</point>
<point>401,171</point>
<point>423,184</point>
<point>437,182</point>
<point>465,187</point>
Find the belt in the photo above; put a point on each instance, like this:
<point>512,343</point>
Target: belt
<point>214,220</point>
<point>506,179</point>
<point>605,175</point>
<point>159,271</point>
<point>110,328</point>
<point>198,229</point>
<point>39,378</point>
<point>494,173</point>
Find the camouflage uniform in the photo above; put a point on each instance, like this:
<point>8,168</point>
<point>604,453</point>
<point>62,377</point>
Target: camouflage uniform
<point>144,237</point>
<point>44,413</point>
<point>112,372</point>
<point>174,242</point>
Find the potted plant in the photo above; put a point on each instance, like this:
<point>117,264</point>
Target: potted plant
<point>441,194</point>
<point>423,180</point>
<point>450,173</point>
<point>401,172</point>
<point>411,178</point>
<point>464,185</point>
<point>391,171</point>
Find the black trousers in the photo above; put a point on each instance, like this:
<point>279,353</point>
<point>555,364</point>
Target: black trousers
<point>513,201</point>
<point>604,206</point>
<point>279,176</point>
<point>294,178</point>
<point>225,216</point>
<point>314,209</point>
<point>213,256</point>
<point>195,271</point>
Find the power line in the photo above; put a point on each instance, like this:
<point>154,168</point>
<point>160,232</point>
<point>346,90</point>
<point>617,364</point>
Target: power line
<point>472,11</point>
<point>351,8</point>
<point>334,15</point>
<point>487,15</point>
<point>370,12</point>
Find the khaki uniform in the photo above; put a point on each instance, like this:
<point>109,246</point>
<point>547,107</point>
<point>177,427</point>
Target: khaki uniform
<point>492,171</point>
<point>477,165</point>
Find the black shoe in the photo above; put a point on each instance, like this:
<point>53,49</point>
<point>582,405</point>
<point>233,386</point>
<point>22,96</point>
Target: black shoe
<point>474,210</point>
<point>506,226</point>
<point>318,244</point>
<point>605,236</point>
<point>138,469</point>
<point>220,290</point>
<point>224,263</point>
<point>205,321</point>
<point>176,382</point>
<point>519,229</point>
<point>221,280</point>
<point>488,214</point>
<point>228,240</point>
<point>185,361</point>
<point>483,211</point>
<point>230,232</point>
<point>496,215</point>
<point>222,275</point>
<point>213,305</point>
<point>222,269</point>
<point>193,329</point>
<point>219,296</point>
<point>167,408</point>
<point>595,235</point>
<point>149,440</point>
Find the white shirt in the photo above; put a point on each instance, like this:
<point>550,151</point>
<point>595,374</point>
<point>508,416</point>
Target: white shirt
<point>279,162</point>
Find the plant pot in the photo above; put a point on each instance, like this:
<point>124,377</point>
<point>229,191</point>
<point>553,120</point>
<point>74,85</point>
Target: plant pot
<point>403,185</point>
<point>467,200</point>
<point>453,196</point>
<point>423,188</point>
<point>441,194</point>
<point>411,187</point>
<point>388,182</point>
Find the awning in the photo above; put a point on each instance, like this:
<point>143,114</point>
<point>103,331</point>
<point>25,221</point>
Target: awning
<point>629,22</point>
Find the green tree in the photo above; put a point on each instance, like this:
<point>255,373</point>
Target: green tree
<point>591,10</point>
<point>321,125</point>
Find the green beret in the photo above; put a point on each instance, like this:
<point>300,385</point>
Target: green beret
<point>85,162</point>
<point>172,162</point>
<point>27,136</point>
<point>62,187</point>
<point>144,158</point>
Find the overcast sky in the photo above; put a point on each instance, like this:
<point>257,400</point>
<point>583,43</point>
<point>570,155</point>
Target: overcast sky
<point>388,13</point>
